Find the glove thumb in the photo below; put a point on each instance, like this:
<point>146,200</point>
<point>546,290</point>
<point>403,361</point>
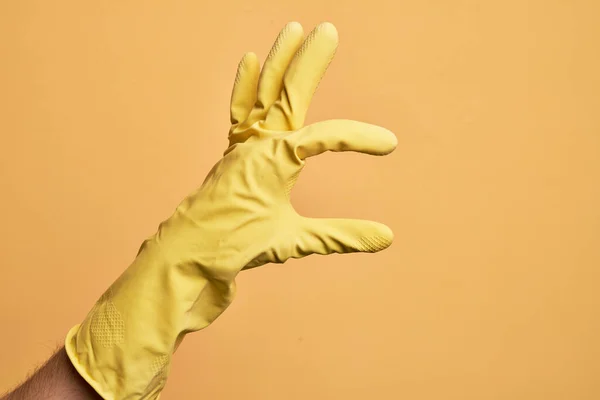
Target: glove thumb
<point>332,235</point>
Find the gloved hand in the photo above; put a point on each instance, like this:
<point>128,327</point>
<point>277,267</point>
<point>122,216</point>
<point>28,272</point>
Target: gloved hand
<point>241,217</point>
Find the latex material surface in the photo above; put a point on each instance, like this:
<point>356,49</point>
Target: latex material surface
<point>241,217</point>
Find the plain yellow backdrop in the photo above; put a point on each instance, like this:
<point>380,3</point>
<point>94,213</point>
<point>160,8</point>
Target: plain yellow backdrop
<point>112,111</point>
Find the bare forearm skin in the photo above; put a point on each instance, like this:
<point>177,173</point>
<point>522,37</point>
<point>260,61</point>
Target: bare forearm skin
<point>56,379</point>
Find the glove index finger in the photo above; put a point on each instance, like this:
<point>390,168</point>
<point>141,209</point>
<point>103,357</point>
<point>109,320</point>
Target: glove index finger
<point>343,135</point>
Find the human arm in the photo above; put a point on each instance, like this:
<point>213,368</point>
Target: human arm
<point>56,379</point>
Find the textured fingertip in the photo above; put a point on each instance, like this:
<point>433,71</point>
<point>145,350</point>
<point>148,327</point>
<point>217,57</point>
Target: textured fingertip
<point>380,239</point>
<point>243,94</point>
<point>390,143</point>
<point>248,62</point>
<point>328,29</point>
<point>325,36</point>
<point>251,57</point>
<point>238,73</point>
<point>294,26</point>
<point>381,141</point>
<point>251,61</point>
<point>292,30</point>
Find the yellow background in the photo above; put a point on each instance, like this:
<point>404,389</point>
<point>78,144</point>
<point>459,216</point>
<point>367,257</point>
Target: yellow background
<point>112,111</point>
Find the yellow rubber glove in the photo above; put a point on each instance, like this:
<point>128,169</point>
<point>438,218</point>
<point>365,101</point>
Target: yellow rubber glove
<point>241,217</point>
